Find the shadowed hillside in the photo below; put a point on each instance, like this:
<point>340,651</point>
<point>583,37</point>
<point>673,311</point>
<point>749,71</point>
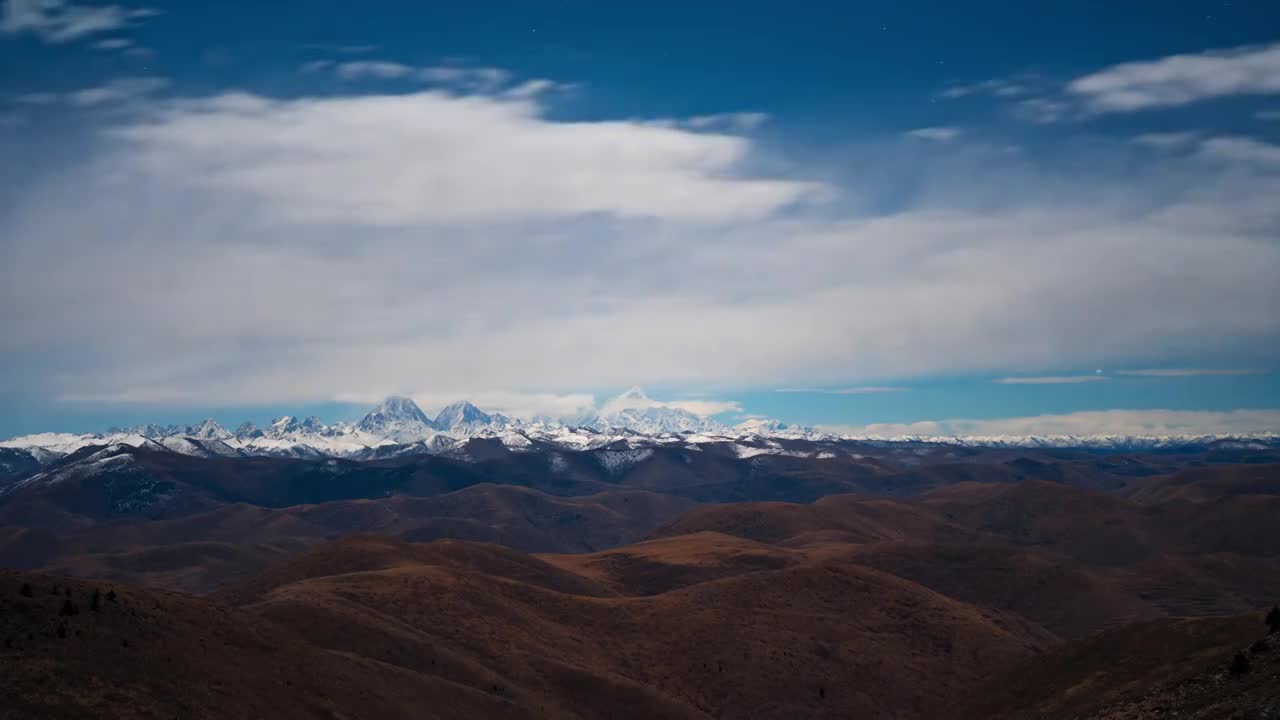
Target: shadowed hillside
<point>1164,668</point>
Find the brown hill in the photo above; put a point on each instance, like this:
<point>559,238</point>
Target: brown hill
<point>154,654</point>
<point>200,552</point>
<point>374,553</point>
<point>818,639</point>
<point>656,566</point>
<point>1207,483</point>
<point>1174,667</point>
<point>1067,598</point>
<point>1021,547</point>
<point>693,626</point>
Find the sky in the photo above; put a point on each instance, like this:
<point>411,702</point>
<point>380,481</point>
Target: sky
<point>977,218</point>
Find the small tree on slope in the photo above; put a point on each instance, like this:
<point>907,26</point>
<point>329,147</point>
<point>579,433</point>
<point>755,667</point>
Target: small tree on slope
<point>1240,664</point>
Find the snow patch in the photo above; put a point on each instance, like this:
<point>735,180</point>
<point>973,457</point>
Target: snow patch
<point>617,461</point>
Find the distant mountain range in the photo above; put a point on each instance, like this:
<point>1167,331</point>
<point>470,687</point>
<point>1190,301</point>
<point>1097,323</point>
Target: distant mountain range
<point>398,427</point>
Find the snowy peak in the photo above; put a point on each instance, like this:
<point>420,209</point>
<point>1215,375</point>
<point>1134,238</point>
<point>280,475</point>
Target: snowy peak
<point>399,419</point>
<point>150,430</point>
<point>208,430</point>
<point>395,409</point>
<point>461,414</point>
<point>761,426</point>
<point>312,425</point>
<point>634,411</point>
<point>247,430</point>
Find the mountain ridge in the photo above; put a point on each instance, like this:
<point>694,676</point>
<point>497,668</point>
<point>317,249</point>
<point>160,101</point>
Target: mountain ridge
<point>398,426</point>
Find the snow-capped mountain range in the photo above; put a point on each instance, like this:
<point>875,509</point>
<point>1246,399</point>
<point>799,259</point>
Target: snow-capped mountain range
<point>399,427</point>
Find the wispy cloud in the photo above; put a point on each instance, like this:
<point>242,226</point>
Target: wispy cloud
<point>995,87</point>
<point>1181,79</point>
<point>937,134</point>
<point>361,69</point>
<point>1187,372</point>
<point>341,49</point>
<point>862,390</point>
<point>531,89</point>
<point>705,408</point>
<point>115,43</point>
<point>739,121</point>
<point>1168,140</point>
<point>1138,423</point>
<point>1241,149</point>
<point>118,90</point>
<point>477,79</point>
<point>1267,115</point>
<point>1236,150</point>
<point>1042,110</point>
<point>511,403</point>
<point>57,21</point>
<point>113,91</point>
<point>1051,380</point>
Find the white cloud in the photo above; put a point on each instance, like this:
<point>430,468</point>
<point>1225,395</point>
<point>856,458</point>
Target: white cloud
<point>474,79</point>
<point>469,79</point>
<point>1187,372</point>
<point>1241,149</point>
<point>315,66</point>
<point>1181,79</point>
<point>241,249</point>
<point>1267,115</point>
<point>524,405</point>
<point>372,69</point>
<point>738,122</point>
<point>697,407</point>
<point>1139,423</point>
<point>939,134</point>
<point>1051,380</point>
<point>1029,97</point>
<point>56,21</point>
<point>1231,149</point>
<point>1043,111</point>
<point>115,43</point>
<point>430,157</point>
<point>996,87</point>
<point>118,90</point>
<point>531,88</point>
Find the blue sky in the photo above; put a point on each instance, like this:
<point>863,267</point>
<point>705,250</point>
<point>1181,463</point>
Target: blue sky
<point>244,210</point>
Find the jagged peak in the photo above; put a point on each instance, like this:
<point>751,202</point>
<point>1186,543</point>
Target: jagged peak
<point>461,413</point>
